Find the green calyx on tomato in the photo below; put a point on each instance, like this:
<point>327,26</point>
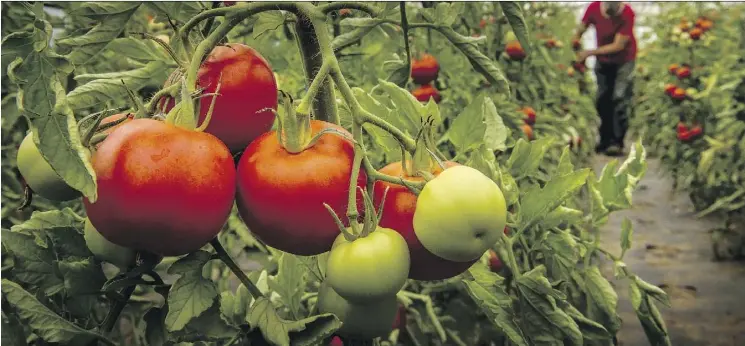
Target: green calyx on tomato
<point>105,250</point>
<point>359,321</point>
<point>367,266</point>
<point>460,214</point>
<point>161,188</point>
<point>248,93</point>
<point>39,174</point>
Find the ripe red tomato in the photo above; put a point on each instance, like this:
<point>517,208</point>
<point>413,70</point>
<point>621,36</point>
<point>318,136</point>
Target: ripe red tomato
<point>514,50</point>
<point>248,85</point>
<point>425,92</point>
<point>482,23</point>
<point>683,72</point>
<point>696,33</point>
<point>670,89</point>
<point>161,188</point>
<point>425,69</point>
<point>696,131</point>
<point>679,94</point>
<point>345,12</point>
<point>398,214</point>
<point>579,66</point>
<point>336,341</point>
<point>281,195</point>
<point>529,115</point>
<point>673,68</point>
<point>682,127</point>
<point>550,43</point>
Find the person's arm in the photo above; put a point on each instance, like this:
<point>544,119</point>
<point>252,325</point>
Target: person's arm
<point>619,43</point>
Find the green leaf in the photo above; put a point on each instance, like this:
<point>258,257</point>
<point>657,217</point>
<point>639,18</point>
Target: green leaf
<point>82,277</point>
<point>381,138</point>
<point>616,188</point>
<point>267,21</point>
<point>407,107</point>
<point>527,156</point>
<point>51,219</point>
<point>44,322</point>
<point>290,282</point>
<point>562,215</point>
<point>538,203</point>
<point>110,18</point>
<point>141,50</point>
<point>105,87</point>
<point>653,291</point>
<point>591,330</point>
<point>43,102</point>
<point>34,261</point>
<point>627,231</point>
<point>234,307</point>
<point>565,162</point>
<point>488,293</point>
<point>208,327</point>
<point>649,316</point>
<point>480,62</point>
<point>561,254</point>
<point>447,13</point>
<point>347,39</point>
<point>191,294</point>
<point>155,330</point>
<point>538,304</point>
<point>484,161</point>
<point>495,133</point>
<point>277,331</point>
<point>179,11</point>
<point>602,299</point>
<point>514,13</point>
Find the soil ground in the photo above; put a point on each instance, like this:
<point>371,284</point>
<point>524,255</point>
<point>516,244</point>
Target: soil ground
<point>671,248</point>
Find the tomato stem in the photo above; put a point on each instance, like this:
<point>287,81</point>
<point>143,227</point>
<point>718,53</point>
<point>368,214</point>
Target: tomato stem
<point>318,81</point>
<point>225,258</point>
<point>322,98</point>
<point>338,5</point>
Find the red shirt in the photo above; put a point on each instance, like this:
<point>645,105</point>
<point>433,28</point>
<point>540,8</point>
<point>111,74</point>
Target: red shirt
<point>608,27</point>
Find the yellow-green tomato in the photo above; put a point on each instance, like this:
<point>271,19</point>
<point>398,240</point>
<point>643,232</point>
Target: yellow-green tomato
<point>370,267</point>
<point>105,250</point>
<point>360,321</point>
<point>39,175</point>
<point>460,214</point>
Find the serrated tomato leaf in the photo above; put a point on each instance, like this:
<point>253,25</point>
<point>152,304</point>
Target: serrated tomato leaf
<point>280,332</point>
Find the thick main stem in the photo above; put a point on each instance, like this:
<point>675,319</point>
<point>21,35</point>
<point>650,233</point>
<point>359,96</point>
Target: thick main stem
<point>324,104</point>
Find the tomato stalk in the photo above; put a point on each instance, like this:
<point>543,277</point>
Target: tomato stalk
<point>146,262</point>
<point>225,258</point>
<point>322,99</point>
<point>319,81</point>
<point>339,5</point>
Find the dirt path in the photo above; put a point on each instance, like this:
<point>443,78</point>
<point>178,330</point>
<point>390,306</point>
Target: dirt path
<point>672,249</point>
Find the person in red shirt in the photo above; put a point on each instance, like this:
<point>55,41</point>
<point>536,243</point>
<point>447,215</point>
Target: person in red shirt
<point>614,70</point>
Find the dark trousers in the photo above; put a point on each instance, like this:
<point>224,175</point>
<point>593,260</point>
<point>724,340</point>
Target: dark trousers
<point>613,103</point>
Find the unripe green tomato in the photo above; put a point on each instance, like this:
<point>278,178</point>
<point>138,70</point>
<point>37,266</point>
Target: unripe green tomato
<point>370,267</point>
<point>460,214</point>
<point>105,250</point>
<point>360,321</point>
<point>39,175</point>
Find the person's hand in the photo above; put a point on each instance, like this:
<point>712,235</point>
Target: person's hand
<point>582,55</point>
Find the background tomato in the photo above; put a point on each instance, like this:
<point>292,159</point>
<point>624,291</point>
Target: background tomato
<point>105,250</point>
<point>425,92</point>
<point>369,267</point>
<point>39,174</point>
<point>425,69</point>
<point>161,188</point>
<point>398,214</point>
<point>460,214</point>
<point>281,195</point>
<point>360,321</point>
<point>248,85</point>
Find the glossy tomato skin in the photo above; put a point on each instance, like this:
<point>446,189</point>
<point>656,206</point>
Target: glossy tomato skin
<point>398,214</point>
<point>123,117</point>
<point>105,250</point>
<point>368,268</point>
<point>425,69</point>
<point>360,321</point>
<point>281,195</point>
<point>39,174</point>
<point>425,92</point>
<point>161,188</point>
<point>460,214</point>
<point>248,85</point>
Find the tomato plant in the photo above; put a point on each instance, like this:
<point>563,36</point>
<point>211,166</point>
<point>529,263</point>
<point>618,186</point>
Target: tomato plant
<point>163,115</point>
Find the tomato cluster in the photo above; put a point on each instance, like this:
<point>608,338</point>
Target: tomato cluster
<point>424,72</point>
<point>686,134</point>
<point>515,51</point>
